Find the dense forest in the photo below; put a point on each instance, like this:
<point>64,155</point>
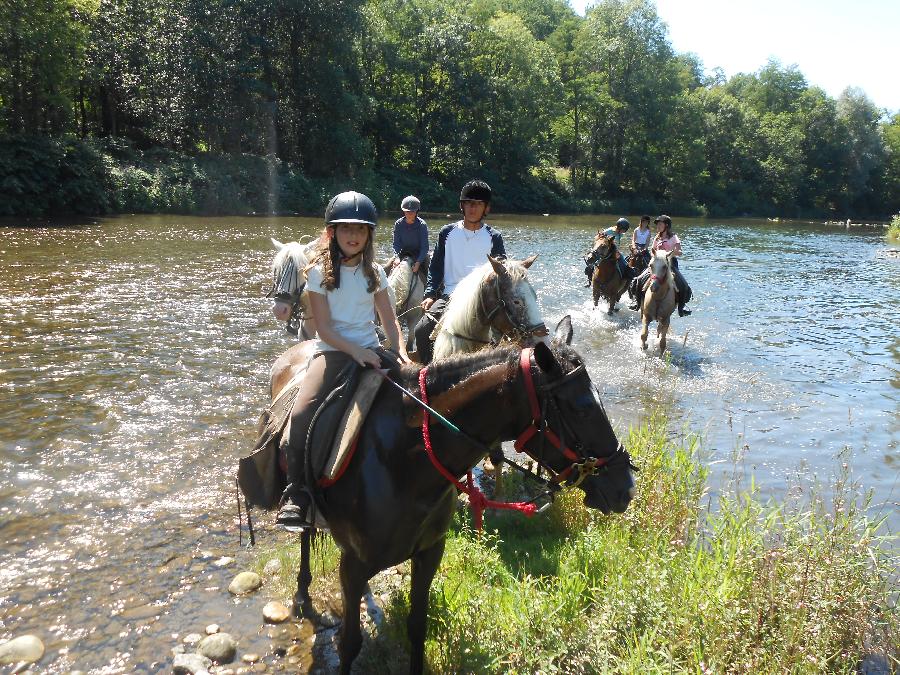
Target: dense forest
<point>271,105</point>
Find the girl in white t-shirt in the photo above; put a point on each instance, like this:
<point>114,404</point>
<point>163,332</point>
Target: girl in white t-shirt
<point>346,289</point>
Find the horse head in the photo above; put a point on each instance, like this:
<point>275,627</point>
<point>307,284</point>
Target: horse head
<point>661,270</point>
<point>579,443</point>
<point>604,248</point>
<point>289,303</point>
<point>513,309</point>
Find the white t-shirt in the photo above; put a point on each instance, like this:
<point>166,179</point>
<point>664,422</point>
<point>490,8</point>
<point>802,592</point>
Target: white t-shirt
<point>352,307</point>
<point>463,252</point>
<point>642,236</point>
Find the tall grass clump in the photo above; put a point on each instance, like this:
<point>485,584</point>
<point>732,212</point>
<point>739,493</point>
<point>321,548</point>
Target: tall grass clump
<point>894,228</point>
<point>675,584</point>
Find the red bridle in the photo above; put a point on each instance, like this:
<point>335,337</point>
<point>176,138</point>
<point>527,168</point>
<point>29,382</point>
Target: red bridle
<point>477,499</point>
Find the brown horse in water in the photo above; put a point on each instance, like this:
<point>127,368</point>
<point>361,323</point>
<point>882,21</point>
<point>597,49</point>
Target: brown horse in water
<point>659,298</point>
<point>606,281</point>
<point>391,504</point>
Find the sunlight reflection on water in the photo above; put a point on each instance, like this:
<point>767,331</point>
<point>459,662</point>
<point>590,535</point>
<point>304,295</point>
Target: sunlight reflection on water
<point>135,359</point>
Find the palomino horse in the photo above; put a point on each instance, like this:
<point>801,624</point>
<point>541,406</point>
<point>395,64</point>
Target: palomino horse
<point>291,303</point>
<point>606,282</point>
<point>392,503</point>
<point>659,298</point>
<point>495,296</point>
<point>407,290</point>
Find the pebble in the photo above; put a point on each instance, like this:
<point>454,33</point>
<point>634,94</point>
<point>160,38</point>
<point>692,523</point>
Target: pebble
<point>275,612</point>
<point>293,650</point>
<point>259,667</point>
<point>212,629</point>
<point>250,658</point>
<point>23,649</point>
<point>245,582</point>
<point>191,639</point>
<point>190,664</point>
<point>224,561</point>
<point>220,647</point>
<point>272,567</point>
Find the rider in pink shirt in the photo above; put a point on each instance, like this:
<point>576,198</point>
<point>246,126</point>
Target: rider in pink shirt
<point>666,240</point>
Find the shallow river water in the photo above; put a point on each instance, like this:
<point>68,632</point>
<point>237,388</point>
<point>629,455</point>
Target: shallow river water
<point>133,363</point>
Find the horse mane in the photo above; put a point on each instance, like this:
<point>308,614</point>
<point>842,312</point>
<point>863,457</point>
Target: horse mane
<point>400,279</point>
<point>445,373</point>
<point>293,250</point>
<point>461,315</point>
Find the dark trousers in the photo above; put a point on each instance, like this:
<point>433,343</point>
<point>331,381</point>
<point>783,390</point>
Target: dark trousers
<point>425,327</point>
<point>681,285</point>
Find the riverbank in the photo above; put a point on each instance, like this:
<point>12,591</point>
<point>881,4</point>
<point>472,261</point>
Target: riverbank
<point>676,583</point>
<point>67,176</point>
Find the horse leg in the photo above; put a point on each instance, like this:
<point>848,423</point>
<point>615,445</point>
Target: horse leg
<point>661,333</point>
<point>302,602</point>
<point>424,566</point>
<point>645,328</point>
<point>354,576</point>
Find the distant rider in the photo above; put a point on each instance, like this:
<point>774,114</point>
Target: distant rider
<point>615,232</point>
<point>411,235</point>
<point>665,240</point>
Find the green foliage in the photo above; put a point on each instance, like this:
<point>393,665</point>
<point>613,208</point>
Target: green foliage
<point>42,176</point>
<point>668,586</point>
<point>430,93</point>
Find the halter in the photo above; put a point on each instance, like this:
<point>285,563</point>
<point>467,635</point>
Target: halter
<point>580,465</point>
<point>281,292</point>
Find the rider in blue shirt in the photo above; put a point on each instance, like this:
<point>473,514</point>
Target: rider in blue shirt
<point>411,234</point>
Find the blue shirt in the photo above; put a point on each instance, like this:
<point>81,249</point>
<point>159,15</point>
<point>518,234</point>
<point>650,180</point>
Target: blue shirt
<point>411,239</point>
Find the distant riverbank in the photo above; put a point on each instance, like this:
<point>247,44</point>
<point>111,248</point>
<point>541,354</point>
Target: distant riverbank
<point>43,176</point>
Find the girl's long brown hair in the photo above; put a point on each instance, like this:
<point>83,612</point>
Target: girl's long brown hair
<point>328,254</point>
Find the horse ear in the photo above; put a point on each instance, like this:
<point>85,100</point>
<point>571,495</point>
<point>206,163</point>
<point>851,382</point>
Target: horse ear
<point>277,244</point>
<point>528,262</point>
<point>497,265</point>
<point>563,333</point>
<point>545,360</point>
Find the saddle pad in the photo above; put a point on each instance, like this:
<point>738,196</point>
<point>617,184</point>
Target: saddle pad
<point>349,427</point>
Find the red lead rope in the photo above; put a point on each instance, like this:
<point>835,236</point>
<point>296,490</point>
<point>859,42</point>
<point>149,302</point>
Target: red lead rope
<point>478,502</point>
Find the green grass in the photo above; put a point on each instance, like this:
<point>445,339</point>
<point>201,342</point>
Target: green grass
<point>681,582</point>
<point>894,228</point>
<point>670,586</point>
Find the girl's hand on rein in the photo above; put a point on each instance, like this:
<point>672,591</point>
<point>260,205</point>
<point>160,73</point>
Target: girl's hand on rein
<point>366,357</point>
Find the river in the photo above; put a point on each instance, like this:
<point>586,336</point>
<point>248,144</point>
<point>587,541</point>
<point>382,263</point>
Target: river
<point>134,353</point>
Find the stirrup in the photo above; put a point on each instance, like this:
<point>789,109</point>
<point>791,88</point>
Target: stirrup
<point>293,515</point>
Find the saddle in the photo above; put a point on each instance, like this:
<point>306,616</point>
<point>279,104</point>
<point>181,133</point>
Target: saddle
<point>329,443</point>
<point>332,436</point>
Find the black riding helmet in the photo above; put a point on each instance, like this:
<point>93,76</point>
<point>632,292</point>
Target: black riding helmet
<point>623,223</point>
<point>476,190</point>
<point>351,207</point>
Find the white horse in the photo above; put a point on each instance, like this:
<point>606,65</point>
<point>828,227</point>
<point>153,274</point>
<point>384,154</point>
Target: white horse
<point>498,296</point>
<point>290,298</point>
<point>407,290</point>
<point>659,298</point>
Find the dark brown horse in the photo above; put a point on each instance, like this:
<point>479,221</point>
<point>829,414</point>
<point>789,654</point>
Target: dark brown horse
<point>606,281</point>
<point>391,504</point>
